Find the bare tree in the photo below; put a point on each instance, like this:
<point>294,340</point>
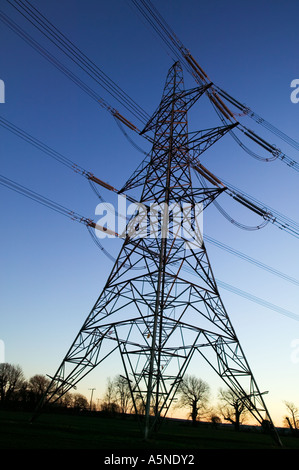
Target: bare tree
<point>11,380</point>
<point>139,406</point>
<point>122,393</point>
<point>293,419</point>
<point>232,407</point>
<point>38,385</point>
<point>194,394</point>
<point>109,403</point>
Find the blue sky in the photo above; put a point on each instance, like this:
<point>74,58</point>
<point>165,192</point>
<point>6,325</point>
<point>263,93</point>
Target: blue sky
<point>52,272</point>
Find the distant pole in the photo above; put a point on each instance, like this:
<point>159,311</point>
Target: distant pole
<point>92,389</point>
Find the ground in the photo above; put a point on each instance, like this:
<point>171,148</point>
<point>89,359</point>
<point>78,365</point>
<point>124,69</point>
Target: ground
<point>74,432</point>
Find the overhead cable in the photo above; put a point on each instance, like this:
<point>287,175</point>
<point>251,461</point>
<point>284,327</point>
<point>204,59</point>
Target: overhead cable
<point>92,225</point>
<point>251,260</point>
<point>66,46</point>
<point>150,13</point>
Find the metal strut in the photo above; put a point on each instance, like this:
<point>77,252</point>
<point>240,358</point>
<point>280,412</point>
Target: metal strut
<point>160,307</point>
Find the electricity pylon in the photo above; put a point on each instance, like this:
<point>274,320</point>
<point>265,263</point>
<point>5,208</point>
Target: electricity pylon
<point>160,305</point>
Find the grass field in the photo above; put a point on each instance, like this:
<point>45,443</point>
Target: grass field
<point>55,431</point>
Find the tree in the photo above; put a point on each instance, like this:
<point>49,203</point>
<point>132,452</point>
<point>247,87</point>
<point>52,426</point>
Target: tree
<point>293,419</point>
<point>233,408</point>
<point>122,393</point>
<point>66,401</point>
<point>109,404</point>
<point>214,419</point>
<point>194,394</point>
<point>37,386</point>
<point>11,380</point>
<point>80,402</point>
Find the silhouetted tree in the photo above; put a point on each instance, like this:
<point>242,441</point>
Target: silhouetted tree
<point>122,393</point>
<point>109,404</point>
<point>139,404</point>
<point>11,381</point>
<point>293,418</point>
<point>232,407</point>
<point>80,402</point>
<point>194,394</point>
<point>215,420</point>
<point>37,386</point>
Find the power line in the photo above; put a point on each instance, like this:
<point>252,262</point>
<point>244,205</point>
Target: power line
<point>251,260</point>
<point>278,219</point>
<point>158,23</point>
<point>251,297</point>
<point>41,199</point>
<point>43,147</point>
<point>285,224</point>
<point>74,78</point>
<point>281,221</point>
<point>91,226</point>
<point>258,119</point>
<point>78,169</point>
<point>258,300</point>
<point>53,60</point>
<point>123,98</point>
<point>168,36</point>
<point>78,57</point>
<point>267,213</point>
<point>56,207</point>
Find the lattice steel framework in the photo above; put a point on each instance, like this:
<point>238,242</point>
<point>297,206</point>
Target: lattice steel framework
<point>161,305</point>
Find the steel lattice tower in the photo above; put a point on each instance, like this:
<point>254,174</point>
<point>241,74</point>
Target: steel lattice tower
<point>161,305</point>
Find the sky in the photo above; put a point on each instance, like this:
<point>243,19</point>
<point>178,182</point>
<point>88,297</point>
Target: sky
<point>51,270</point>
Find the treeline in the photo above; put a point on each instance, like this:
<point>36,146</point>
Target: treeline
<point>18,393</point>
<point>193,396</point>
